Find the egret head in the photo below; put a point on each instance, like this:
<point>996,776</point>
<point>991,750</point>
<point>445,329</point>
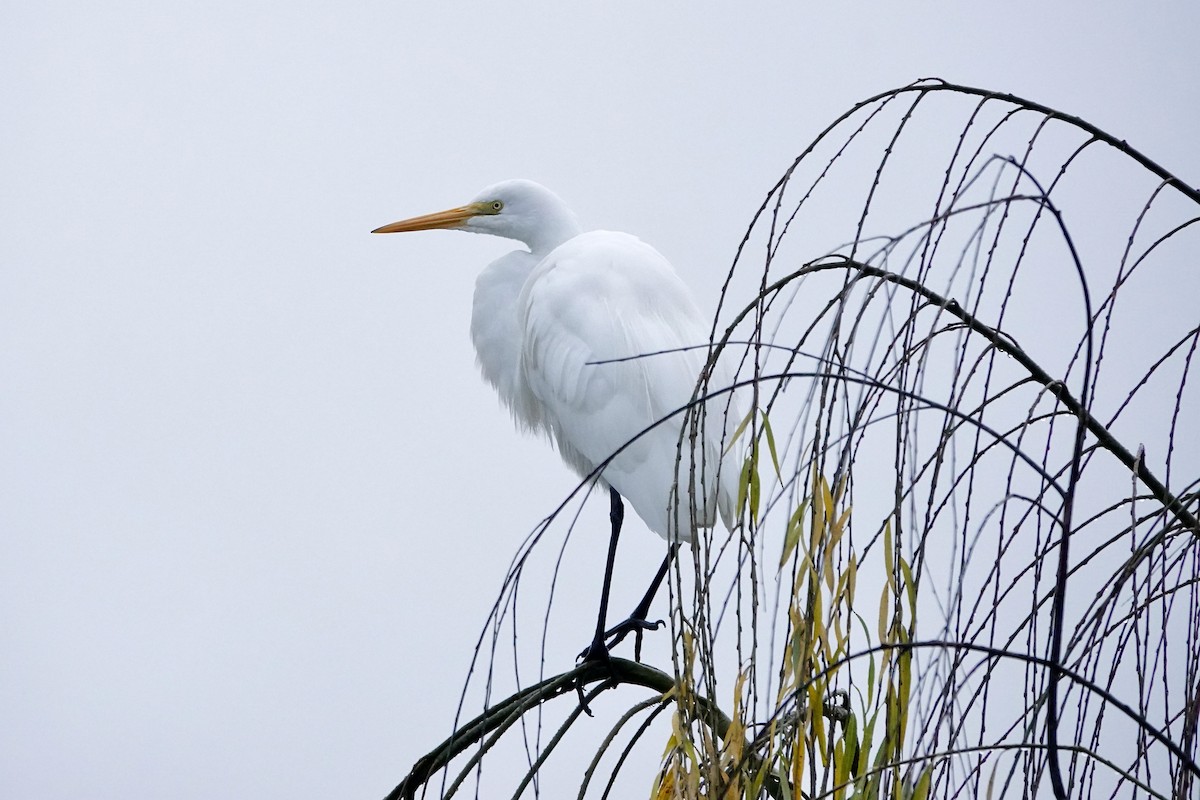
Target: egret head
<point>516,209</point>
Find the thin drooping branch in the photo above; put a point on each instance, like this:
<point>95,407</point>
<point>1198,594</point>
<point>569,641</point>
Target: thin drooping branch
<point>1010,348</point>
<point>619,671</point>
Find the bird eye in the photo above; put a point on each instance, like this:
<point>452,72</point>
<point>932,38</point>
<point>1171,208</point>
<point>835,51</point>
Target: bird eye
<point>497,206</point>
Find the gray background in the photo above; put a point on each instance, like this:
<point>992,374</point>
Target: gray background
<point>254,501</point>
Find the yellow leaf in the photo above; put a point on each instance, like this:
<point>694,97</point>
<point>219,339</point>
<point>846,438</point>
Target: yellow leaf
<point>841,768</point>
<point>827,500</point>
<point>672,743</point>
<point>683,743</point>
<point>664,788</point>
<point>827,565</point>
<point>840,524</point>
<point>735,735</point>
<point>851,578</point>
<point>840,491</point>
<point>798,754</point>
<point>820,512</point>
<point>817,722</point>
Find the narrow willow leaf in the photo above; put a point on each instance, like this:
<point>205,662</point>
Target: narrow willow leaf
<point>870,663</point>
<point>865,746</point>
<point>755,789</point>
<point>840,772</point>
<point>820,514</point>
<point>827,567</point>
<point>785,786</point>
<point>839,638</point>
<point>817,722</point>
<point>889,564</point>
<point>792,538</point>
<point>735,736</point>
<point>853,764</point>
<point>904,693</point>
<point>883,614</point>
<point>771,446</point>
<point>744,483</point>
<point>798,755</point>
<point>827,497</point>
<point>921,792</point>
<point>672,743</point>
<point>665,785</point>
<point>755,493</point>
<point>840,524</point>
<point>851,579</point>
<point>840,491</point>
<point>841,767</point>
<point>892,727</point>
<point>737,434</point>
<point>910,587</point>
<point>874,776</point>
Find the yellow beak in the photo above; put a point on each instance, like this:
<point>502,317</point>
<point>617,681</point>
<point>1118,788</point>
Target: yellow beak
<point>450,218</point>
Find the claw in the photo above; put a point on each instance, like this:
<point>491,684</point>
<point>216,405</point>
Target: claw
<point>583,700</point>
<point>637,636</point>
<point>616,634</point>
<point>595,652</point>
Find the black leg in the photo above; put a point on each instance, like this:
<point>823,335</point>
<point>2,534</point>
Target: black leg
<point>636,623</point>
<point>643,608</point>
<point>597,651</point>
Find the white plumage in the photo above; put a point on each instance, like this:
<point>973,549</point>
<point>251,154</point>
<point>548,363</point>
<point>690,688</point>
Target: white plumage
<point>571,333</point>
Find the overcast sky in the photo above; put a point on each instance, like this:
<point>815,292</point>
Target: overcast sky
<point>255,502</point>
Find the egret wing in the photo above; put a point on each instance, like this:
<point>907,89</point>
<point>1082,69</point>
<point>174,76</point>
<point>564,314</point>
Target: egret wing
<point>606,325</point>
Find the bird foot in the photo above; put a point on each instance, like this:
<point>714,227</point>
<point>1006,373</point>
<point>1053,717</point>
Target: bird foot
<point>598,651</point>
<point>616,634</point>
<point>595,653</point>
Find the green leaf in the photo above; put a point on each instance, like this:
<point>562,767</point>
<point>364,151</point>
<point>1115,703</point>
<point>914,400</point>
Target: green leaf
<point>883,614</point>
<point>903,694</point>
<point>744,483</point>
<point>785,785</point>
<point>921,792</point>
<point>755,494</point>
<point>910,587</point>
<point>771,446</point>
<point>851,580</point>
<point>865,744</point>
<point>737,434</point>
<point>889,557</point>
<point>853,764</point>
<point>794,528</point>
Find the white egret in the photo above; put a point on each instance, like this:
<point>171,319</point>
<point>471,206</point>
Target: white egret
<point>583,336</point>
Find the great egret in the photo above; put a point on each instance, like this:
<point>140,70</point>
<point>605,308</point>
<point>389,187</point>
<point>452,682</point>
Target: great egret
<point>583,336</point>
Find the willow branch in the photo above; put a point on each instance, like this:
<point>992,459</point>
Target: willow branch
<point>1007,346</point>
<point>618,671</point>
